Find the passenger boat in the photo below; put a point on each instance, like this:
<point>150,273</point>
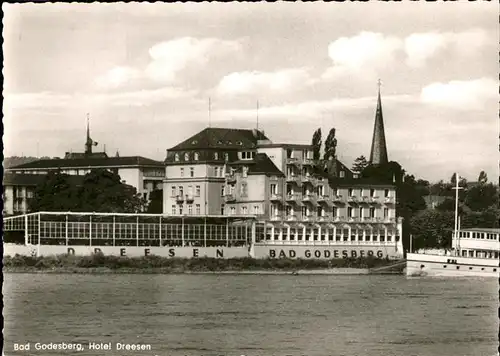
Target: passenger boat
<point>475,253</point>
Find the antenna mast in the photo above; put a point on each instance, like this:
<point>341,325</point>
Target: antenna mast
<point>257,115</point>
<point>209,112</point>
<point>457,187</point>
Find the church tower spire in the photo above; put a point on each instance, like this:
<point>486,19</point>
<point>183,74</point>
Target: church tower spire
<point>378,153</point>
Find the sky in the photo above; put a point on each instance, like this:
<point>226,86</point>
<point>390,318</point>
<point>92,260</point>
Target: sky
<point>145,73</point>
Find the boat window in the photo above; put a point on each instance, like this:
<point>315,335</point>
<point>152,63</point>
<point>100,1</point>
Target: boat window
<point>470,267</point>
<point>422,266</point>
<point>458,267</point>
<point>494,269</point>
<point>482,269</point>
<point>444,266</point>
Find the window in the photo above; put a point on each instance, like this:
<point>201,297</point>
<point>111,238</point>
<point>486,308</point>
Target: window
<point>349,212</point>
<point>256,209</point>
<point>226,157</point>
<point>342,174</point>
<point>222,189</point>
<point>216,171</point>
<point>246,155</point>
<point>244,210</point>
<point>182,172</point>
<point>274,189</point>
<point>360,212</point>
<point>191,172</point>
<point>198,209</point>
<point>174,191</point>
<point>186,156</point>
<point>243,189</point>
<point>372,192</point>
<point>386,193</point>
<point>245,172</point>
<point>372,212</point>
<point>174,210</point>
<point>190,190</point>
<point>222,209</point>
<point>190,209</point>
<point>335,211</point>
<point>196,156</point>
<point>216,155</point>
<point>386,213</point>
<point>176,157</point>
<point>233,210</point>
<point>180,209</point>
<point>197,190</point>
<point>351,192</point>
<point>181,191</point>
<point>320,211</point>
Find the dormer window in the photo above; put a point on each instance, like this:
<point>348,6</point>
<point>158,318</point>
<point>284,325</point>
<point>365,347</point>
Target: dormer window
<point>196,156</point>
<point>342,174</point>
<point>194,142</point>
<point>229,142</point>
<point>186,156</point>
<point>226,156</point>
<point>216,155</point>
<point>219,142</point>
<point>176,157</point>
<point>239,143</point>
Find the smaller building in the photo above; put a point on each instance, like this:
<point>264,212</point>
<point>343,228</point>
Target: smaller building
<point>18,189</point>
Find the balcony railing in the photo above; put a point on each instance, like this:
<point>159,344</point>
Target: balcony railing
<point>310,197</point>
<point>293,196</point>
<point>230,178</point>
<point>189,198</point>
<point>325,217</point>
<point>352,199</point>
<point>229,197</point>
<point>323,197</point>
<point>339,218</point>
<point>294,179</point>
<point>292,160</point>
<point>275,196</point>
<point>179,198</point>
<point>337,198</point>
<point>309,218</point>
<point>308,161</point>
<point>291,217</point>
<point>276,217</point>
<point>389,200</point>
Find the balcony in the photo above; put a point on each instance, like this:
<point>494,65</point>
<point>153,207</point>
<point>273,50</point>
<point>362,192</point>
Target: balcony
<point>389,200</point>
<point>368,219</point>
<point>229,197</point>
<point>294,179</point>
<point>230,178</point>
<point>325,218</point>
<point>276,217</point>
<point>179,198</point>
<point>339,219</point>
<point>337,199</point>
<point>276,197</point>
<point>291,217</point>
<point>323,197</point>
<point>189,198</point>
<point>352,199</point>
<point>292,160</point>
<point>308,162</point>
<point>309,218</point>
<point>293,197</point>
<point>310,179</point>
<point>310,197</point>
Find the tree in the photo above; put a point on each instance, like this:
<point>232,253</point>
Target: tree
<point>99,191</point>
<point>483,177</point>
<point>330,146</point>
<point>55,193</point>
<point>316,143</point>
<point>482,196</point>
<point>432,229</point>
<point>155,205</point>
<point>453,179</point>
<point>359,164</point>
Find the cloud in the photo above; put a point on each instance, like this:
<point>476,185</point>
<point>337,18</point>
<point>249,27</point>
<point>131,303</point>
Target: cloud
<point>307,110</point>
<point>118,76</point>
<point>419,47</point>
<point>367,50</point>
<point>48,100</point>
<point>457,94</point>
<point>253,82</point>
<point>170,57</point>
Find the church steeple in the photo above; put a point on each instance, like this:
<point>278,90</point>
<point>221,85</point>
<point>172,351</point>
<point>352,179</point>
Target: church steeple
<point>89,142</point>
<point>378,153</point>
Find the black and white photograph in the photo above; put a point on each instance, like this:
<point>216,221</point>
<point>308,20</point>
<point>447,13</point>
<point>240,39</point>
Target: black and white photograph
<point>251,179</point>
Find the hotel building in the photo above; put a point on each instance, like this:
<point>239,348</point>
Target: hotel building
<point>239,172</point>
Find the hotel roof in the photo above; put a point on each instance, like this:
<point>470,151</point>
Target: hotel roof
<point>213,137</point>
<point>132,161</point>
<point>261,164</point>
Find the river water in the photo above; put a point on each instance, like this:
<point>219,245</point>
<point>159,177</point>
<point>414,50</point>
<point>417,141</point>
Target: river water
<point>252,314</point>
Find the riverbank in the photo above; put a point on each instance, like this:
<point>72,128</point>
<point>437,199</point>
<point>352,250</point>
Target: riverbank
<point>99,263</point>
